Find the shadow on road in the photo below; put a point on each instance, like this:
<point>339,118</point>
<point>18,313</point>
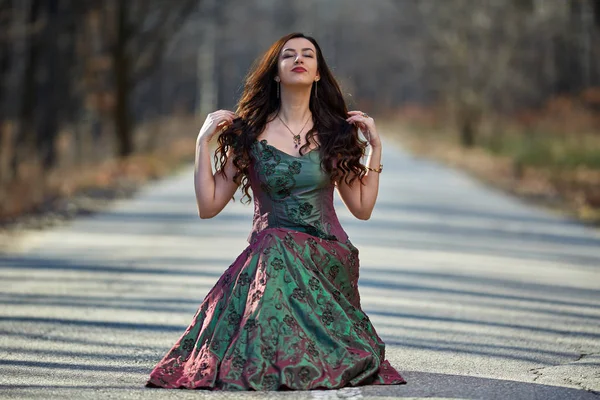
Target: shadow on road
<point>420,385</point>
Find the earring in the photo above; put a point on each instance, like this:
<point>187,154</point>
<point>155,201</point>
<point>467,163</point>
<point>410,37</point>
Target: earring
<point>316,86</point>
<point>277,79</point>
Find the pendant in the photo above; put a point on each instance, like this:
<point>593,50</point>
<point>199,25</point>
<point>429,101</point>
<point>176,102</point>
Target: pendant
<point>296,141</point>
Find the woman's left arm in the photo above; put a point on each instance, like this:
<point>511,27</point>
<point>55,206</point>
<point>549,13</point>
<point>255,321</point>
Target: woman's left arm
<point>360,198</point>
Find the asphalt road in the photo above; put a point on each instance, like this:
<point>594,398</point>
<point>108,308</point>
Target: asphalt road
<point>477,295</point>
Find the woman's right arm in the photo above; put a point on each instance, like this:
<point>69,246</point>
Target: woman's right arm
<point>213,191</point>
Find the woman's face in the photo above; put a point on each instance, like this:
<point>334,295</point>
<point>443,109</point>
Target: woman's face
<point>298,63</point>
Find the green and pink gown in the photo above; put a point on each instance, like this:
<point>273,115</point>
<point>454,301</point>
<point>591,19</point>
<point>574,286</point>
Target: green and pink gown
<point>286,314</point>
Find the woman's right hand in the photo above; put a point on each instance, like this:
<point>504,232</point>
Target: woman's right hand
<point>214,122</point>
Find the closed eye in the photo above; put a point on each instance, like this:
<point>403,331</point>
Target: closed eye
<point>288,55</point>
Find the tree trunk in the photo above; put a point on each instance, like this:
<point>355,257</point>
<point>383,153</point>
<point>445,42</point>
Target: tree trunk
<point>26,127</point>
<point>467,133</point>
<point>47,123</point>
<point>207,62</point>
<point>468,121</point>
<point>122,115</point>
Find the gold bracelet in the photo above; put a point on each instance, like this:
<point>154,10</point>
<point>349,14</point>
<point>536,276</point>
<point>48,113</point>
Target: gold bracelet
<point>378,170</point>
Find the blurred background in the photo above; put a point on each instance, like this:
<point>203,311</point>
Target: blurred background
<point>97,96</point>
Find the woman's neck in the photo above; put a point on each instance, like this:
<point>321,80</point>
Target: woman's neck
<point>294,108</point>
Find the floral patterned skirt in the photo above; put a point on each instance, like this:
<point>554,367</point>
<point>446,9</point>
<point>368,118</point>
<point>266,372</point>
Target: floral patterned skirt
<point>285,315</point>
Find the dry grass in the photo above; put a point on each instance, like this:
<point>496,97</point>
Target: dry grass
<point>36,190</point>
<point>573,191</point>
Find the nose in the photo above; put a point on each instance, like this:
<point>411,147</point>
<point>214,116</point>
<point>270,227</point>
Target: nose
<point>297,60</point>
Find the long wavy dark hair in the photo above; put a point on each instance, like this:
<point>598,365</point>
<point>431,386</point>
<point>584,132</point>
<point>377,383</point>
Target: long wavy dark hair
<point>339,144</point>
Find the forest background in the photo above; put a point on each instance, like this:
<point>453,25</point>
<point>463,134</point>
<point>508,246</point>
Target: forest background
<point>98,96</point>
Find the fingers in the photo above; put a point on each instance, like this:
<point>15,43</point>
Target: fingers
<point>222,126</point>
<point>223,114</point>
<point>360,113</point>
<point>358,117</point>
<point>357,120</point>
<point>222,118</point>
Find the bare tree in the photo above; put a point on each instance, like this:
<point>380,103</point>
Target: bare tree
<point>143,29</point>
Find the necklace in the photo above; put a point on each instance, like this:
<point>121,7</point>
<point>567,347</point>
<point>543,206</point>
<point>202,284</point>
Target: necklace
<point>297,139</point>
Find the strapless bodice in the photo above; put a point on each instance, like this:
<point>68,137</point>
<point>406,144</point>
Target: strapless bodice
<point>292,192</point>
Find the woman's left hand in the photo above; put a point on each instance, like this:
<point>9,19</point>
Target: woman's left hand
<point>366,124</point>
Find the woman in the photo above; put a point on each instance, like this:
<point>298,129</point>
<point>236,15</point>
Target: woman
<point>286,314</point>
